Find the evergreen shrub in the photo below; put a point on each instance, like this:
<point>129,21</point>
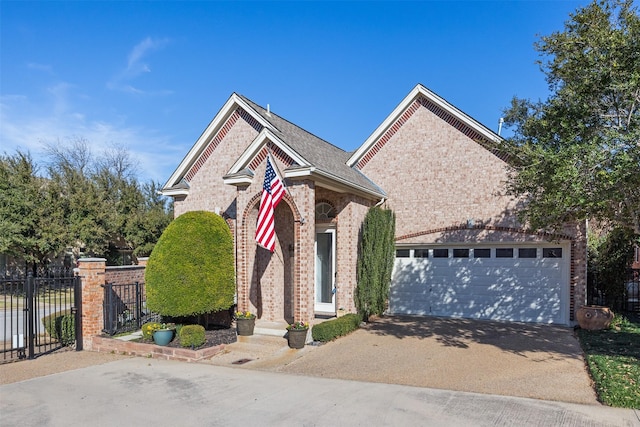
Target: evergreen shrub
<point>191,269</point>
<point>192,336</point>
<point>375,261</point>
<point>332,329</point>
<point>61,326</point>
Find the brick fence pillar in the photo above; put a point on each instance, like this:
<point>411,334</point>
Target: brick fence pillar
<point>142,261</point>
<point>92,275</point>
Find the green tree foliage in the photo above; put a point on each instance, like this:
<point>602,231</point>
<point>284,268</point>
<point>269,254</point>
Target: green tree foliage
<point>31,211</point>
<point>191,269</point>
<point>577,154</point>
<point>78,202</point>
<point>609,260</point>
<point>375,261</point>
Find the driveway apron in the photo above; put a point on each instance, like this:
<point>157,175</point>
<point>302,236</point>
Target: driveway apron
<point>509,359</point>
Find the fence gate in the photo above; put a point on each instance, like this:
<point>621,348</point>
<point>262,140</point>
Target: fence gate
<point>40,315</point>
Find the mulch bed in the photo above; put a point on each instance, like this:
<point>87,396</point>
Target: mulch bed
<point>213,338</point>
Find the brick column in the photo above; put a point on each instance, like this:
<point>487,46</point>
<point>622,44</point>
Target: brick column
<point>142,261</point>
<point>92,275</point>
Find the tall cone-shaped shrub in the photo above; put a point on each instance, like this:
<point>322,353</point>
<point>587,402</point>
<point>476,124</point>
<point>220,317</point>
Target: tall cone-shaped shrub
<point>191,268</point>
<point>375,261</point>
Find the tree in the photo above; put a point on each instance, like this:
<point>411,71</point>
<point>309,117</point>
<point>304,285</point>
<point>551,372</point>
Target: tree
<point>191,270</point>
<point>31,212</point>
<point>577,154</point>
<point>375,261</point>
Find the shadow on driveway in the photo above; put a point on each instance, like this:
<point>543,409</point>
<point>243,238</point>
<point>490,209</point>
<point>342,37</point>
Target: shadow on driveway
<point>535,361</point>
<point>516,338</point>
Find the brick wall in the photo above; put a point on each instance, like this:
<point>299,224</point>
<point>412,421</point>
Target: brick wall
<point>439,179</point>
<point>207,191</point>
<point>94,274</point>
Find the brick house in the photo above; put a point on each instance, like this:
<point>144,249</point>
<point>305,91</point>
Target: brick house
<point>460,250</point>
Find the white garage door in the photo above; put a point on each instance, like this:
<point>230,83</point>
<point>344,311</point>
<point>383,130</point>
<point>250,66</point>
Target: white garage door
<point>525,283</point>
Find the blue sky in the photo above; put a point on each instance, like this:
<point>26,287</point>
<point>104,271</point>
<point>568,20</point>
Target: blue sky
<point>150,76</point>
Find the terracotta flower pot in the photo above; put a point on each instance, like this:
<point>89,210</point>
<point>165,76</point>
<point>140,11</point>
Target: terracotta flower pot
<point>594,317</point>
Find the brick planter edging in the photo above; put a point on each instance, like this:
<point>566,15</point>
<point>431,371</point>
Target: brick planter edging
<point>111,345</point>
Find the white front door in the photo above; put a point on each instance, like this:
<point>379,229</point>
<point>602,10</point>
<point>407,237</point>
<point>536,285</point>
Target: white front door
<point>325,248</point>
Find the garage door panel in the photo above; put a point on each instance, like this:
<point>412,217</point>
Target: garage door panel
<point>516,289</point>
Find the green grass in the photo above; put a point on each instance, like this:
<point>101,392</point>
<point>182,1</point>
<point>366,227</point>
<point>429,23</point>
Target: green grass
<point>613,358</point>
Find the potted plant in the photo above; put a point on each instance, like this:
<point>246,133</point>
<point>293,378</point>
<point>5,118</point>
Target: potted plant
<point>245,322</point>
<point>297,334</point>
<point>594,317</point>
<point>164,334</point>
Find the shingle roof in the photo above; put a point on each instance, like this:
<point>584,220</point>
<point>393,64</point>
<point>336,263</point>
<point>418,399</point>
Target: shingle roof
<point>321,154</point>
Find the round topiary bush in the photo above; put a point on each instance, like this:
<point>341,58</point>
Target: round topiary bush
<point>192,336</point>
<point>191,268</point>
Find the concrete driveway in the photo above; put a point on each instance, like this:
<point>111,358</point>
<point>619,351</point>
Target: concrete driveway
<point>524,360</point>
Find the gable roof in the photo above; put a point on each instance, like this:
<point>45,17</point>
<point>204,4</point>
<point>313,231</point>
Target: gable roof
<point>321,160</point>
<point>308,155</point>
<point>439,106</point>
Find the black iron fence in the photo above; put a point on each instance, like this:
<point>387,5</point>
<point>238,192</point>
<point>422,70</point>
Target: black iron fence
<point>624,299</point>
<point>39,314</point>
<point>125,308</point>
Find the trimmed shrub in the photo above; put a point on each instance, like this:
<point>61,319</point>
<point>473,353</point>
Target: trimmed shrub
<point>332,329</point>
<point>61,326</point>
<point>375,261</point>
<point>191,269</point>
<point>192,336</point>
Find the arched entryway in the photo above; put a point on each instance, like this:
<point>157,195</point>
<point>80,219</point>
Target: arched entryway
<point>269,288</point>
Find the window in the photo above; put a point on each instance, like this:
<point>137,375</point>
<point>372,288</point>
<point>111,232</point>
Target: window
<point>482,253</point>
<point>461,253</point>
<point>325,212</point>
<point>402,253</point>
<point>527,253</point>
<point>441,253</point>
<point>552,252</point>
<point>504,252</point>
<point>421,253</point>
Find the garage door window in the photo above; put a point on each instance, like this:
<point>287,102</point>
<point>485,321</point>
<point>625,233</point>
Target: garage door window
<point>402,253</point>
<point>441,253</point>
<point>527,253</point>
<point>461,253</point>
<point>504,253</point>
<point>421,253</point>
<point>552,252</point>
<point>482,253</point>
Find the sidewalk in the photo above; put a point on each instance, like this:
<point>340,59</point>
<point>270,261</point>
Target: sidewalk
<point>139,391</point>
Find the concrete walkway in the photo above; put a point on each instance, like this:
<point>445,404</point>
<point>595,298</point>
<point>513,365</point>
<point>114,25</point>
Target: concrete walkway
<point>139,391</point>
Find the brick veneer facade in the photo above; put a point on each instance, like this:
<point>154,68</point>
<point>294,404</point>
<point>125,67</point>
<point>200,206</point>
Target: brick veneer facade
<point>456,188</point>
<point>445,183</point>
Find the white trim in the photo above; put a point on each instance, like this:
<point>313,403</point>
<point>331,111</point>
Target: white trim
<point>238,180</point>
<point>178,192</point>
<point>218,121</point>
<point>402,107</point>
<point>257,144</point>
<point>325,307</point>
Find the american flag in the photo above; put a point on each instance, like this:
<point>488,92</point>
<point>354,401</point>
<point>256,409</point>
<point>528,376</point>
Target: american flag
<point>272,193</point>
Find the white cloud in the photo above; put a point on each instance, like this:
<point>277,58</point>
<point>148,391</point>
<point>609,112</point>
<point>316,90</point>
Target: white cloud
<point>136,66</point>
<point>27,127</point>
<point>40,67</point>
